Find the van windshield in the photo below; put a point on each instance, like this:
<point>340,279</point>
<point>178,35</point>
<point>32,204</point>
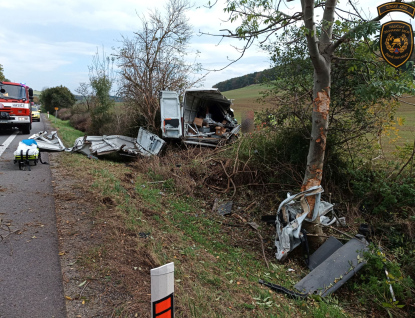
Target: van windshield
<point>12,92</point>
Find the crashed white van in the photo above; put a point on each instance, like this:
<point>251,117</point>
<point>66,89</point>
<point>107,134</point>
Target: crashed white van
<point>205,117</point>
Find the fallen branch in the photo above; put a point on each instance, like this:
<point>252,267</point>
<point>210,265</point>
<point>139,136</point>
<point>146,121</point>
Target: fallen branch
<point>317,235</point>
<point>229,180</point>
<point>263,249</point>
<point>333,228</point>
<point>80,295</point>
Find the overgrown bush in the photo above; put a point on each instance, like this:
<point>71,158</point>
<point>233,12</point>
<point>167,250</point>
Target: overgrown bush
<point>81,121</point>
<point>382,195</point>
<point>64,114</point>
<point>280,156</point>
<point>374,285</point>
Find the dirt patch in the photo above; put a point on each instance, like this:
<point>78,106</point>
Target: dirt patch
<point>95,262</point>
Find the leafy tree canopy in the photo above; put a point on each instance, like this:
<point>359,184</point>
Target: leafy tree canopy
<point>326,35</point>
<point>59,96</point>
<point>2,77</point>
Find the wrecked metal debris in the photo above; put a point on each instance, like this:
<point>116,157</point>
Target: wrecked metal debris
<point>335,269</point>
<point>146,144</point>
<point>225,208</point>
<point>48,141</point>
<point>291,213</point>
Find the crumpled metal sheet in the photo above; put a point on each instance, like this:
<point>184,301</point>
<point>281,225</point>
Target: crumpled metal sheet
<point>48,141</point>
<point>149,143</point>
<point>291,213</point>
<point>146,144</point>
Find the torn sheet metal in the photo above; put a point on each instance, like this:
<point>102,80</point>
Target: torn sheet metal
<point>336,269</point>
<point>291,213</point>
<point>225,208</point>
<point>48,141</point>
<point>146,144</point>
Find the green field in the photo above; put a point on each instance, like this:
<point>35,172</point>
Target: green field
<point>407,112</point>
<point>246,100</point>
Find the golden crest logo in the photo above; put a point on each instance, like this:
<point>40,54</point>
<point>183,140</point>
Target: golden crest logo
<point>396,42</point>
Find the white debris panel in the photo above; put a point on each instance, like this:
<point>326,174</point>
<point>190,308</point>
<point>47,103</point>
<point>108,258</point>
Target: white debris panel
<point>146,144</point>
<point>48,141</point>
<point>291,213</point>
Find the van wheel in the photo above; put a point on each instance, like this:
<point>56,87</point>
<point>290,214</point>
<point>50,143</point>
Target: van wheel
<point>26,129</point>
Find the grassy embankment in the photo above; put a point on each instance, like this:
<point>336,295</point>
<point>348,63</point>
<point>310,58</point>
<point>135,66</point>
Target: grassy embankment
<point>218,261</point>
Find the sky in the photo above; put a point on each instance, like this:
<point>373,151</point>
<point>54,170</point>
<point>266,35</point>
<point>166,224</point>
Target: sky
<point>47,43</point>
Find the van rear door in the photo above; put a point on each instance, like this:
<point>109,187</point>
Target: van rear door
<point>171,123</point>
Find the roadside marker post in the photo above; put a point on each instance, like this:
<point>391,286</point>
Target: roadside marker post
<point>162,291</point>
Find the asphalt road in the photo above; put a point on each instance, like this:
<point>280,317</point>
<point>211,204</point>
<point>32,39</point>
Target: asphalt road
<point>30,271</point>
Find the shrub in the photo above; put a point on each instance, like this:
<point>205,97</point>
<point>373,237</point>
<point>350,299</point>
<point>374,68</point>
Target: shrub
<point>375,285</point>
<point>380,194</point>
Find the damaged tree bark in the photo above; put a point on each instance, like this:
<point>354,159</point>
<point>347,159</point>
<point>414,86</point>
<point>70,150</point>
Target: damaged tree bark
<point>321,55</point>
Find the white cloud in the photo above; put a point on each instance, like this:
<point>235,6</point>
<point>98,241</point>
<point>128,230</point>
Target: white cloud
<point>51,42</point>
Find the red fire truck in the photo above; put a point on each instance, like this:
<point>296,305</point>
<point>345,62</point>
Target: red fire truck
<point>16,106</point>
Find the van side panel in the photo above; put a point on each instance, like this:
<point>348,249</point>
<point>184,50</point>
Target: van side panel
<point>171,124</point>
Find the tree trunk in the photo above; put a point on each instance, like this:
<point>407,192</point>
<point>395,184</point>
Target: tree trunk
<point>316,152</point>
<point>321,106</point>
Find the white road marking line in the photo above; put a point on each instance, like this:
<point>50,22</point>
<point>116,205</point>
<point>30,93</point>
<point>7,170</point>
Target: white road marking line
<point>7,142</point>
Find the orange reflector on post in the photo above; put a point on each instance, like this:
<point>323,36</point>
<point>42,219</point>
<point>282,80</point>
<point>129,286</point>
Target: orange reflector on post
<point>164,308</point>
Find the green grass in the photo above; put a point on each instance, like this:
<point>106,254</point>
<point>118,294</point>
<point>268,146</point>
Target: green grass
<point>66,132</point>
<point>245,100</point>
<point>214,276</point>
<point>250,92</point>
<point>407,131</point>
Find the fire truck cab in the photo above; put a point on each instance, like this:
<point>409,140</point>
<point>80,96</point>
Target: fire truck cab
<point>16,106</point>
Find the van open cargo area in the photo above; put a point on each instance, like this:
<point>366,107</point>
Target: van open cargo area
<point>205,117</point>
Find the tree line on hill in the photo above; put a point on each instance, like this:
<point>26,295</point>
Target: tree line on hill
<point>243,81</point>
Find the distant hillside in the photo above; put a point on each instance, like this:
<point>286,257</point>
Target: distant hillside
<point>242,81</point>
